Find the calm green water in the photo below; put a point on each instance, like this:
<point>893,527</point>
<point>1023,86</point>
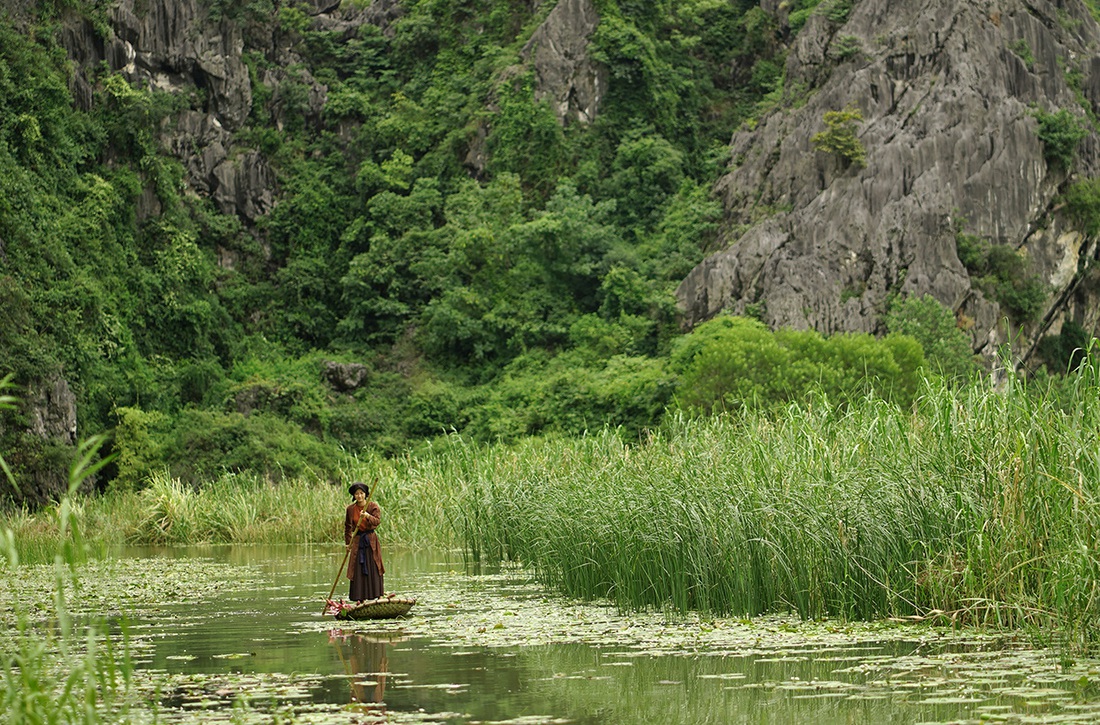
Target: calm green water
<point>496,648</point>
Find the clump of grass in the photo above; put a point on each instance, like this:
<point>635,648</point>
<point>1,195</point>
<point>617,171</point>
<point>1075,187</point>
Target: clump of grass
<point>235,508</point>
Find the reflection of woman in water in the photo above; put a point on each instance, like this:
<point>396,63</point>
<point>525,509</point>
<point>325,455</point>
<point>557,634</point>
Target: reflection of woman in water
<point>369,664</point>
<point>365,567</point>
<point>366,665</point>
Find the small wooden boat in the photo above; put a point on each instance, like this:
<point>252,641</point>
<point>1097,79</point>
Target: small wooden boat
<point>388,606</point>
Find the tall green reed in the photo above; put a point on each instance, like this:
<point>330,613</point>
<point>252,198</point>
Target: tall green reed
<point>57,672</point>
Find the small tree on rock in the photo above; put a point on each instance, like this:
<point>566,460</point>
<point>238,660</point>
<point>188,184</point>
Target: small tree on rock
<point>840,136</point>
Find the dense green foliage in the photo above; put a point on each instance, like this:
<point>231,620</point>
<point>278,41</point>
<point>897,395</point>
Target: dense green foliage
<point>738,364</point>
<point>1002,273</point>
<point>945,345</point>
<point>1082,200</point>
<point>465,299</point>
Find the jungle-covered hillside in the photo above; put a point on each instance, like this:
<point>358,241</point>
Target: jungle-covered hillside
<point>406,233</point>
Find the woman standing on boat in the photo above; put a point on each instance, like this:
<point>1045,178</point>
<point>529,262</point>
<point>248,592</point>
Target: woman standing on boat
<point>365,561</point>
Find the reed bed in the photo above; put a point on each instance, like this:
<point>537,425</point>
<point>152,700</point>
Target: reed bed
<point>243,509</point>
<point>979,505</point>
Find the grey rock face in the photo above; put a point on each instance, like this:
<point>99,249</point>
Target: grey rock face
<point>202,142</point>
<point>245,186</point>
<point>48,423</point>
<point>240,181</point>
<point>345,377</point>
<point>380,13</point>
<point>952,145</point>
<point>284,106</point>
<point>169,45</point>
<point>51,407</point>
<point>175,46</point>
<point>558,52</point>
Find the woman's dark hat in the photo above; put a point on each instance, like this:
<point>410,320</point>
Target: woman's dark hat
<point>357,484</point>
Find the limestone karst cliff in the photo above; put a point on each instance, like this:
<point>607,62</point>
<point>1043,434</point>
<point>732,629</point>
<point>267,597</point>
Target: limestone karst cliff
<point>948,93</point>
<point>437,192</point>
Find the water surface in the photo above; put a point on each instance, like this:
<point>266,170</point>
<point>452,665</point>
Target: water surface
<point>498,648</point>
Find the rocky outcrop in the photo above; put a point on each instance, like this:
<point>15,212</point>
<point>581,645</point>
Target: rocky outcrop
<point>345,377</point>
<point>245,186</point>
<point>558,52</point>
<point>51,408</point>
<point>41,439</point>
<point>947,92</point>
<point>565,76</point>
<point>347,21</point>
<point>178,47</point>
<point>171,45</point>
<point>239,181</point>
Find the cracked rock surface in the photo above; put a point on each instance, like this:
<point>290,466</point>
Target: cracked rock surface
<point>947,93</point>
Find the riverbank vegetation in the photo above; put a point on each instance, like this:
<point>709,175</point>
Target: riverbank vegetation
<point>239,509</point>
<point>975,504</point>
<point>67,672</point>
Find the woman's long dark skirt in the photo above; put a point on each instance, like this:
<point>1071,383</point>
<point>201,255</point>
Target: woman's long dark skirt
<point>368,585</point>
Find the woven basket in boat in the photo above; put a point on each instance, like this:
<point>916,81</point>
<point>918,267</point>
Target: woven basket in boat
<point>382,609</point>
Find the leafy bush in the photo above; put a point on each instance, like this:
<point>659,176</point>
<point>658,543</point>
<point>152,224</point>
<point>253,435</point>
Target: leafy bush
<point>1023,50</point>
<point>1082,200</point>
<point>568,395</point>
<point>687,231</point>
<point>946,347</point>
<point>517,287</point>
<point>836,11</point>
<point>646,172</point>
<point>138,446</point>
<point>1060,133</point>
<point>527,140</point>
<point>1002,273</point>
<point>1066,351</point>
<point>845,47</point>
<point>735,363</point>
<point>203,444</point>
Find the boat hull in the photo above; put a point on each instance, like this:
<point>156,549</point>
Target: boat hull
<point>383,608</point>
